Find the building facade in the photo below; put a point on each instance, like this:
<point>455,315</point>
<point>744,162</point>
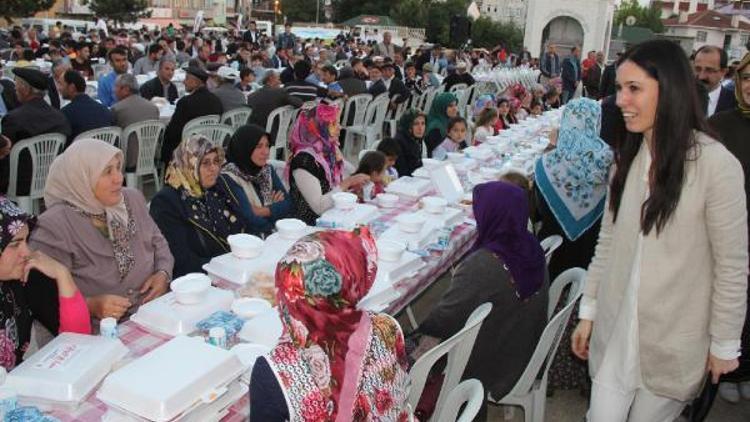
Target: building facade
<point>730,32</point>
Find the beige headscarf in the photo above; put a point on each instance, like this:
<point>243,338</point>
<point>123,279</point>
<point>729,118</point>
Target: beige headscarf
<point>73,177</point>
<point>743,106</point>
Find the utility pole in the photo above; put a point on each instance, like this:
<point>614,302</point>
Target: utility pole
<point>317,11</point>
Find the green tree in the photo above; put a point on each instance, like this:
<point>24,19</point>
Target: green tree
<point>347,9</point>
<point>411,13</point>
<point>487,33</point>
<point>120,11</point>
<point>10,9</point>
<point>300,10</point>
<point>645,17</point>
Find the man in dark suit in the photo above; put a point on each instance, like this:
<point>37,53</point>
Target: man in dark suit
<point>161,85</point>
<point>269,98</point>
<point>397,91</point>
<point>33,117</point>
<point>377,85</point>
<point>83,112</point>
<point>199,103</point>
<point>252,35</point>
<point>571,74</point>
<point>710,66</point>
<point>350,83</point>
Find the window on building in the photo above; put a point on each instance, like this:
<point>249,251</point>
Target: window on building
<point>700,36</point>
<point>744,39</point>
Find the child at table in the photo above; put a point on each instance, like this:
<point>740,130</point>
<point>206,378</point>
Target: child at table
<point>392,150</point>
<point>536,108</point>
<point>455,141</point>
<point>485,125</point>
<point>373,164</point>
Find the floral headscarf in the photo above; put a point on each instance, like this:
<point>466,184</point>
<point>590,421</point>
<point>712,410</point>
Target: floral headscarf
<point>183,171</point>
<point>742,105</point>
<point>314,134</point>
<point>573,177</point>
<point>319,282</point>
<point>12,220</point>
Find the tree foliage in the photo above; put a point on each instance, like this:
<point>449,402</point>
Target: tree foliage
<point>439,16</point>
<point>300,10</point>
<point>347,9</point>
<point>411,13</point>
<point>487,33</point>
<point>10,9</point>
<point>120,11</point>
<point>645,16</point>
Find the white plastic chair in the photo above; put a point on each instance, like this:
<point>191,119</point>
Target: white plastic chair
<point>109,134</point>
<point>470,392</point>
<point>429,98</point>
<point>372,128</point>
<point>218,134</point>
<point>237,117</point>
<point>458,87</point>
<point>280,167</point>
<point>148,135</point>
<point>284,116</point>
<point>92,89</point>
<point>359,102</point>
<point>43,150</point>
<point>393,122</point>
<point>530,392</point>
<point>550,245</point>
<point>458,348</point>
<point>209,119</point>
<point>362,154</point>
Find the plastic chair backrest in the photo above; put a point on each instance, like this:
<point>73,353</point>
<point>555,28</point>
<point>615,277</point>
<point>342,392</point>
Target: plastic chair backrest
<point>379,107</point>
<point>284,115</point>
<point>359,102</point>
<point>43,150</point>
<point>237,117</point>
<point>92,89</point>
<point>363,152</point>
<point>148,135</point>
<point>218,134</point>
<point>458,348</point>
<point>209,119</point>
<point>458,87</point>
<point>110,134</point>
<point>546,348</point>
<point>431,93</point>
<point>470,392</point>
<point>550,245</point>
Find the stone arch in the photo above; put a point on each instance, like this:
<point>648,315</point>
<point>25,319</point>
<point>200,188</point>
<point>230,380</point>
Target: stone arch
<point>565,31</point>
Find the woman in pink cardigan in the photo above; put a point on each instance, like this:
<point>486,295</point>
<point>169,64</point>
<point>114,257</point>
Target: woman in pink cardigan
<point>59,306</point>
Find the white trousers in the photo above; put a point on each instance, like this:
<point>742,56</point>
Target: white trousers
<point>611,405</point>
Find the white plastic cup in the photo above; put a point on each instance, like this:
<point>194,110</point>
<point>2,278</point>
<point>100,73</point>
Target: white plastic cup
<point>108,328</point>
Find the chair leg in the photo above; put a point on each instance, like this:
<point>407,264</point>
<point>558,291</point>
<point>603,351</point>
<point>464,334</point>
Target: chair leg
<point>412,319</point>
<point>131,180</point>
<point>157,182</point>
<point>25,203</point>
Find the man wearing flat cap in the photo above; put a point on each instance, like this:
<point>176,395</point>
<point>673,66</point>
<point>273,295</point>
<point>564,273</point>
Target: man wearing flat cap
<point>199,102</point>
<point>33,117</point>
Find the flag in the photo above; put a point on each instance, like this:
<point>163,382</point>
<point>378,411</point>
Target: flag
<point>473,11</point>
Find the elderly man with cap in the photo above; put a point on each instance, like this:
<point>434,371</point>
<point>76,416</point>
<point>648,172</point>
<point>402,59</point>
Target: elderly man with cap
<point>230,97</point>
<point>161,85</point>
<point>33,117</point>
<point>83,112</point>
<point>199,103</point>
<point>461,76</point>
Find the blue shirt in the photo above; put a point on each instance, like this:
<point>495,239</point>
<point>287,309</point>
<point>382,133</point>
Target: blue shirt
<point>106,89</point>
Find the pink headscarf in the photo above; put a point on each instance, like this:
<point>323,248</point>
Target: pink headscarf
<point>316,133</point>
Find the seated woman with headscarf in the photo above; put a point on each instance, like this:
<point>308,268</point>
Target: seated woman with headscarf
<point>506,267</point>
<point>444,107</point>
<point>333,361</point>
<point>198,208</point>
<point>569,196</point>
<point>101,231</point>
<point>247,156</point>
<point>316,170</point>
<point>52,298</point>
<point>410,134</point>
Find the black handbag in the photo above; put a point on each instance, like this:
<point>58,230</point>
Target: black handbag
<point>701,405</point>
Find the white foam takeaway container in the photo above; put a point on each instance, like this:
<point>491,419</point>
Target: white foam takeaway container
<point>176,377</point>
<point>65,370</point>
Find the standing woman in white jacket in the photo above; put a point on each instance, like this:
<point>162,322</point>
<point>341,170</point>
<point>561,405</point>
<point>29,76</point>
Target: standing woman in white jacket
<point>665,294</point>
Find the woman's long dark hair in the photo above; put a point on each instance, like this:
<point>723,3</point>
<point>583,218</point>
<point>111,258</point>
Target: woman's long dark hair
<point>678,114</point>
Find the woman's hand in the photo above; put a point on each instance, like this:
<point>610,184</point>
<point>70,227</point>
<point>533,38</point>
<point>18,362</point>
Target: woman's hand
<point>278,196</point>
<point>154,286</point>
<point>719,367</point>
<point>39,261</point>
<point>579,341</point>
<point>354,182</point>
<point>108,306</point>
<point>261,211</point>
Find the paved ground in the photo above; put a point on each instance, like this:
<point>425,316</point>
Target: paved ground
<point>566,406</point>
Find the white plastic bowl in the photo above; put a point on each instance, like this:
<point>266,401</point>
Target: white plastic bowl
<point>245,245</point>
<point>390,251</point>
<point>410,223</point>
<point>249,307</point>
<point>387,200</point>
<point>190,288</point>
<point>434,204</point>
<point>290,228</point>
<point>344,200</point>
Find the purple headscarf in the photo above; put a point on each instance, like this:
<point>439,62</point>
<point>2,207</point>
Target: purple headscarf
<point>502,214</point>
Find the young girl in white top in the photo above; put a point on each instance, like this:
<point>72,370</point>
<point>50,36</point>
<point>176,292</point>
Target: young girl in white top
<point>455,141</point>
<point>485,125</point>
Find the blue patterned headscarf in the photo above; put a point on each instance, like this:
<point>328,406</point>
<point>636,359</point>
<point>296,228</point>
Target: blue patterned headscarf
<point>573,177</point>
